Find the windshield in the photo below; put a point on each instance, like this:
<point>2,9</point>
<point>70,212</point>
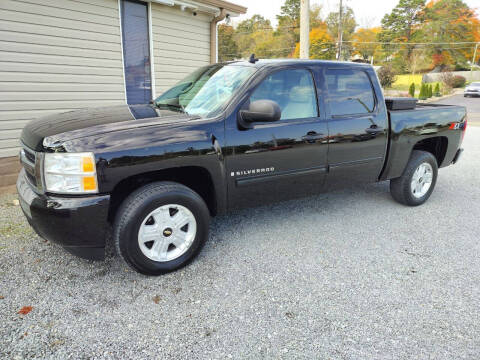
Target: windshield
<point>476,84</point>
<point>205,91</point>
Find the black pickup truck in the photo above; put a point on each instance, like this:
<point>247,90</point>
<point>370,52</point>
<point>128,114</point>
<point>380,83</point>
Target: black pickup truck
<point>229,135</point>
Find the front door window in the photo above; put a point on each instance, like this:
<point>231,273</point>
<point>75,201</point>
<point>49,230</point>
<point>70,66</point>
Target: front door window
<point>292,90</point>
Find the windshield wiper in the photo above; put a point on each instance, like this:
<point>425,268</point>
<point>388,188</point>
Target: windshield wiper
<point>179,107</point>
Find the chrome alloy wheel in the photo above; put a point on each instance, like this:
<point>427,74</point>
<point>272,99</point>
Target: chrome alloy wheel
<point>167,232</point>
<point>421,180</point>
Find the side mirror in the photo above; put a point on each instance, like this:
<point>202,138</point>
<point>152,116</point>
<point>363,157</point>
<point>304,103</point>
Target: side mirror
<point>261,111</point>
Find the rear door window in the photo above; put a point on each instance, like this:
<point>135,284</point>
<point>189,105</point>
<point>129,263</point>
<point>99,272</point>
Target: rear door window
<point>349,92</point>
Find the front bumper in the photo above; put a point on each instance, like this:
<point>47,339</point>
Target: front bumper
<point>79,224</point>
<point>472,93</point>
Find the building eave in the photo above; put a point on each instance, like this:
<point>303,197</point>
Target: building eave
<point>230,7</point>
<point>208,6</point>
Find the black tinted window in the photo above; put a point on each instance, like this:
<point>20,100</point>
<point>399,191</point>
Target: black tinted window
<point>292,90</point>
<point>349,92</point>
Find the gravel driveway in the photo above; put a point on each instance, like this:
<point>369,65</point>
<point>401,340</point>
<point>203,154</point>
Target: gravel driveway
<point>345,275</point>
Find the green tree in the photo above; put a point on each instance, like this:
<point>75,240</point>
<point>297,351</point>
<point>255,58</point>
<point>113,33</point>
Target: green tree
<point>402,25</point>
<point>254,35</point>
<point>256,22</point>
<point>449,21</point>
<point>291,8</point>
<point>411,89</point>
<point>348,23</point>
<point>422,95</point>
<point>436,92</point>
<point>402,22</point>
<point>315,17</point>
<point>227,47</point>
<point>348,27</point>
<point>287,33</point>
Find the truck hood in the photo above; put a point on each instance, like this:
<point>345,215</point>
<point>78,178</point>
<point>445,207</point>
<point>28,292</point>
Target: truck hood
<point>75,124</point>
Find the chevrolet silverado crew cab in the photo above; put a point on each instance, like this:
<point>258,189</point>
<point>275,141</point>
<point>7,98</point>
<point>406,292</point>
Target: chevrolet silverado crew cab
<point>230,135</point>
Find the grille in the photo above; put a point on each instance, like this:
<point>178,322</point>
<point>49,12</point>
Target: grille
<point>30,155</point>
<point>29,161</point>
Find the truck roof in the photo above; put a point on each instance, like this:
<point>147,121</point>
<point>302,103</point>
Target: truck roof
<point>281,62</point>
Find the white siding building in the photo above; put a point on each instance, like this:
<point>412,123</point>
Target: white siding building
<point>59,55</point>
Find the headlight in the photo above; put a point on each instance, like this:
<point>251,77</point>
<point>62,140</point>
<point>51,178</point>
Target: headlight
<point>70,173</point>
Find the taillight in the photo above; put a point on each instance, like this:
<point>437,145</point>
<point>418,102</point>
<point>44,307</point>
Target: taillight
<point>464,127</point>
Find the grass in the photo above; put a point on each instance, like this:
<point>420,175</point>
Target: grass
<point>402,82</point>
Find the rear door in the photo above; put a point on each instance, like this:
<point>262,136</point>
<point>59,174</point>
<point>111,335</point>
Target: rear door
<point>283,159</point>
<point>358,125</point>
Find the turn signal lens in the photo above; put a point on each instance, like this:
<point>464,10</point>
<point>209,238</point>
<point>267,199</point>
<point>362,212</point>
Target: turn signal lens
<point>89,183</point>
<point>87,164</point>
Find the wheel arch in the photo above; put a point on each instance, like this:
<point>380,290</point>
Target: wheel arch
<point>401,151</point>
<point>196,178</point>
<point>437,146</point>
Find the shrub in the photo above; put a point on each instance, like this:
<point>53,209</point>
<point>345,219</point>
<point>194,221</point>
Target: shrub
<point>386,76</point>
<point>429,91</point>
<point>453,81</point>
<point>459,81</point>
<point>423,92</point>
<point>411,90</point>
<point>436,92</point>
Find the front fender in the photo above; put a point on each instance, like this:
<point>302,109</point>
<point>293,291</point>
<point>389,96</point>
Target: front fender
<point>123,154</point>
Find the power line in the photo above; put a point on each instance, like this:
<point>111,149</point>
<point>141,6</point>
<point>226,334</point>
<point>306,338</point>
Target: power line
<point>373,43</point>
<point>412,43</point>
<point>292,48</point>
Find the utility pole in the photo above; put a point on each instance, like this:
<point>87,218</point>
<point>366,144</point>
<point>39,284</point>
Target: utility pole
<point>304,28</point>
<point>473,61</point>
<point>340,31</point>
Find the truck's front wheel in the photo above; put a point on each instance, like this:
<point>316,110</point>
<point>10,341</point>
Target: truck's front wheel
<point>418,180</point>
<point>161,227</point>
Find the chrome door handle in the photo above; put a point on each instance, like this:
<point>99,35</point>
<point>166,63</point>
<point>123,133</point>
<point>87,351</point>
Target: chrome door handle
<point>312,136</point>
<point>374,129</point>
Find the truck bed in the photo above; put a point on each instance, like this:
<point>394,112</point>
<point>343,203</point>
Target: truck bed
<point>424,123</point>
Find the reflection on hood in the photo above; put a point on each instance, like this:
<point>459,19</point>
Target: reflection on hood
<point>93,121</point>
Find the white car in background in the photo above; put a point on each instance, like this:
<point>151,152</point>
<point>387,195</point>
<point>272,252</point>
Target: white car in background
<point>472,90</point>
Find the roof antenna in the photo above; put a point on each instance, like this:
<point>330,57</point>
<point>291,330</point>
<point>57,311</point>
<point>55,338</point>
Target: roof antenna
<point>252,59</point>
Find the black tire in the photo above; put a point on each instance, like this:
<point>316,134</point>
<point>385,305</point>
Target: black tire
<point>142,202</point>
<point>400,187</point>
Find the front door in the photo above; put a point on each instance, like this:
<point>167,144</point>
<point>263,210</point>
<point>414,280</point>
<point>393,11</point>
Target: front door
<point>282,159</point>
<point>357,124</point>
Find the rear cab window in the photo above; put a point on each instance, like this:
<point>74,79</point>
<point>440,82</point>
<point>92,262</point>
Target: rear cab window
<point>350,92</point>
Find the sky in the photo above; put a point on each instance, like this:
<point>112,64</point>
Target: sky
<point>368,13</point>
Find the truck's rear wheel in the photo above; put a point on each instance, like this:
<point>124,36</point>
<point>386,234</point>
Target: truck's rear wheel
<point>418,180</point>
<point>161,227</point>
